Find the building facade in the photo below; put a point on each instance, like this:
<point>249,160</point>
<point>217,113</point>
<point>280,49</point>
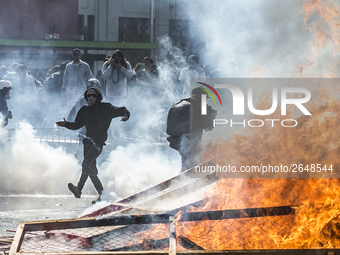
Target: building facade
<point>45,32</point>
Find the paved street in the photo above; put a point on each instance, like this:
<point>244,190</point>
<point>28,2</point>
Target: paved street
<point>16,209</point>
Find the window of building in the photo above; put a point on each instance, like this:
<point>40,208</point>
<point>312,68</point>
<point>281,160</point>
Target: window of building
<point>134,30</point>
<point>87,31</point>
<point>179,33</point>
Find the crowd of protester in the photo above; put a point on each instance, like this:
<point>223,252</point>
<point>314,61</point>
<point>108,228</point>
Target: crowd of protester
<point>41,100</point>
<point>147,91</point>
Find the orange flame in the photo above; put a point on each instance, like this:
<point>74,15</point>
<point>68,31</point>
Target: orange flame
<point>315,223</point>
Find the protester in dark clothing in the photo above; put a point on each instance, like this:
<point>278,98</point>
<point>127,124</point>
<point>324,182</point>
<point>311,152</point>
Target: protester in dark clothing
<point>5,94</point>
<point>185,125</point>
<point>73,113</point>
<point>52,100</point>
<point>54,82</point>
<point>93,82</point>
<point>96,117</point>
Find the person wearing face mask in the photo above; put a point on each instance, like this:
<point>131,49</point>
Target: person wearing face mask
<point>96,116</point>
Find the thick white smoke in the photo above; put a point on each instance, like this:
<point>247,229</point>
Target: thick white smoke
<point>29,166</point>
<point>257,38</point>
<point>33,167</point>
<point>133,168</point>
<point>242,38</point>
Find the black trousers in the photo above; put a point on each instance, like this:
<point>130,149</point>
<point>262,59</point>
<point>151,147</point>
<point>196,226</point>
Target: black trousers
<point>89,165</point>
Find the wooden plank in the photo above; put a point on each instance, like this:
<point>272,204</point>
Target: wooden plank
<point>172,239</point>
<point>17,240</point>
<point>138,207</point>
<point>156,218</point>
<point>152,190</point>
<point>238,213</point>
<point>94,222</point>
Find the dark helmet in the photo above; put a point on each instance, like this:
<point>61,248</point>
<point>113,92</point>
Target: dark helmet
<point>197,92</point>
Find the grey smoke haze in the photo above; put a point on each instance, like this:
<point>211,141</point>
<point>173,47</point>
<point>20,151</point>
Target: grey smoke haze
<point>264,38</point>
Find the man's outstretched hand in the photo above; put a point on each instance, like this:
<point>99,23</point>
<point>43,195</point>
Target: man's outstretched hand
<point>61,123</point>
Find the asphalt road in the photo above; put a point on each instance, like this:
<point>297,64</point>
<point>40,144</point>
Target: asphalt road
<point>15,209</point>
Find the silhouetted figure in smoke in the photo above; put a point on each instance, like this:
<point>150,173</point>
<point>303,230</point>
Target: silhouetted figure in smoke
<point>185,125</point>
<point>3,71</point>
<point>192,71</point>
<point>176,67</point>
<point>27,82</point>
<point>149,75</point>
<point>26,97</point>
<point>75,78</point>
<point>52,99</point>
<point>12,76</point>
<point>210,72</point>
<point>96,116</point>
<point>5,94</point>
<point>47,79</point>
<point>54,82</point>
<point>132,82</point>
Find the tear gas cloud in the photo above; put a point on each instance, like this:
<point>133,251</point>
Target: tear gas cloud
<point>29,167</point>
<point>262,38</point>
<point>265,39</point>
<point>241,38</point>
<point>33,167</point>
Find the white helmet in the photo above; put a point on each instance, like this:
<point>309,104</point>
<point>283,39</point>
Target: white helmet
<point>93,82</point>
<point>5,84</point>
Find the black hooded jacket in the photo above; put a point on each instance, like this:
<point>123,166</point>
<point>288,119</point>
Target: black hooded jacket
<point>3,103</point>
<point>97,118</point>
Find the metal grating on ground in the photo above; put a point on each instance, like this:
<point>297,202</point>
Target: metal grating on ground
<point>148,232</point>
<point>139,224</point>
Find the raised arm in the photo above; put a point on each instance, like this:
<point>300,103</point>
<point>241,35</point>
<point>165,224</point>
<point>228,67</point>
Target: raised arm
<point>127,72</point>
<point>106,71</point>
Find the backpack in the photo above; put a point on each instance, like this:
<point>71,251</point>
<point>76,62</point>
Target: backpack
<point>178,122</point>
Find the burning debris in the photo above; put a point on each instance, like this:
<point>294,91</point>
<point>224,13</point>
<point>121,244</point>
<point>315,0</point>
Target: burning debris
<point>227,219</point>
<point>228,214</point>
